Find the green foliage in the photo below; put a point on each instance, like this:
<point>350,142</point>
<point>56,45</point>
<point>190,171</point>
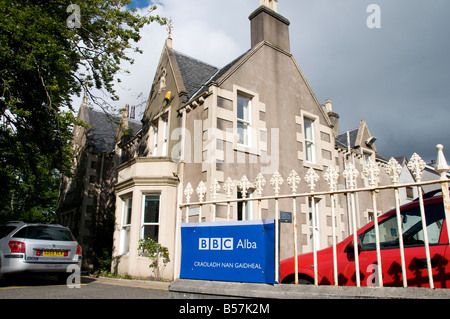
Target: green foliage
<point>42,64</point>
<point>156,252</point>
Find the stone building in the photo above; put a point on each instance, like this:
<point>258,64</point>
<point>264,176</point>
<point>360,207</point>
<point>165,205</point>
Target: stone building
<point>258,114</point>
<point>87,200</point>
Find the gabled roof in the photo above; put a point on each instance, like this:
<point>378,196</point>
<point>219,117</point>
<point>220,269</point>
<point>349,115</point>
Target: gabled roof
<point>343,141</point>
<point>103,131</point>
<point>195,73</point>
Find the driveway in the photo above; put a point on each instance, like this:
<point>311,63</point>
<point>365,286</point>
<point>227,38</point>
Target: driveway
<point>47,287</point>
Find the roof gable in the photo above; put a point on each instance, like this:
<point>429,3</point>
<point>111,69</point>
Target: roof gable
<point>194,73</point>
<point>104,128</point>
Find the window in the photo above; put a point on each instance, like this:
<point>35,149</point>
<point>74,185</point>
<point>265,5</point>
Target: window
<point>411,226</point>
<point>150,222</point>
<point>310,148</point>
<point>244,119</point>
<point>165,129</point>
<point>6,230</point>
<point>155,137</point>
<point>367,157</point>
<point>316,219</point>
<point>409,192</point>
<point>126,226</point>
<point>45,233</point>
<point>247,213</point>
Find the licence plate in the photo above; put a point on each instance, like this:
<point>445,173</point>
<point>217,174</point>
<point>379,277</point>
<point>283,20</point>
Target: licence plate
<point>50,253</point>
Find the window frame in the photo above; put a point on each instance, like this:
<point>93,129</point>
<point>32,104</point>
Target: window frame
<point>310,141</point>
<point>247,123</point>
<point>406,232</point>
<point>165,129</point>
<point>125,230</point>
<point>150,224</point>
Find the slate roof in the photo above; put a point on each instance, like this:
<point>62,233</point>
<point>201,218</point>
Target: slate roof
<point>341,139</point>
<point>104,128</point>
<point>195,73</point>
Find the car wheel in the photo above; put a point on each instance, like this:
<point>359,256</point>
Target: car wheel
<point>301,281</point>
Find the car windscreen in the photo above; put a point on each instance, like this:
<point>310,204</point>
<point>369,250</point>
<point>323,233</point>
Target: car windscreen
<point>45,233</point>
<point>6,230</point>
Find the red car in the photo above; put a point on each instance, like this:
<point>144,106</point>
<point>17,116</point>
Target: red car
<point>415,256</point>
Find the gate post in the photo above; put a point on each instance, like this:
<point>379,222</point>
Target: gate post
<point>442,168</point>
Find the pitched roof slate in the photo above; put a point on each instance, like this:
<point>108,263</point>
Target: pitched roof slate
<point>104,129</point>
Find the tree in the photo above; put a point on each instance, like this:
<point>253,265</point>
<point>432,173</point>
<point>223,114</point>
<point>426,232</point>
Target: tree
<point>45,58</point>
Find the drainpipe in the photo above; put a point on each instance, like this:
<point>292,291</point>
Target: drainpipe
<point>177,259</point>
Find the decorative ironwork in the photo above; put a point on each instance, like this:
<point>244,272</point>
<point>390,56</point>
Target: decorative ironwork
<point>244,186</point>
<point>416,165</point>
<point>214,189</point>
<point>228,187</point>
<point>350,174</point>
<point>201,191</point>
<point>260,183</point>
<point>293,180</point>
<point>372,173</point>
<point>311,179</point>
<point>332,176</point>
<point>441,164</point>
<point>393,169</point>
<point>188,193</point>
<point>276,181</point>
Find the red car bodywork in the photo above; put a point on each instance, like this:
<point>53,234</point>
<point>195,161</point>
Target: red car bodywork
<point>415,256</point>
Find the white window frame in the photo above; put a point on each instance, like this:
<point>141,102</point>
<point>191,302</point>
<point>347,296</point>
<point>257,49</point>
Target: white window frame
<point>311,230</point>
<point>248,213</point>
<point>143,223</point>
<point>165,129</point>
<point>125,231</point>
<point>155,141</point>
<point>247,123</point>
<point>310,141</point>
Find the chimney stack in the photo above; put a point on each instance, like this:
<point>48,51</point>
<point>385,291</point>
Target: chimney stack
<point>334,117</point>
<point>267,25</point>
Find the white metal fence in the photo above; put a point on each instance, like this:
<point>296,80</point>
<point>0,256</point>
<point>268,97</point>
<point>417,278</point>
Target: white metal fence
<point>371,171</point>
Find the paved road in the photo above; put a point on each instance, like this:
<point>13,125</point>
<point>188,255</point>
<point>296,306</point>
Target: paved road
<point>42,287</point>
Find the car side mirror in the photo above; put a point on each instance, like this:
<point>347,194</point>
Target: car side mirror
<point>351,247</point>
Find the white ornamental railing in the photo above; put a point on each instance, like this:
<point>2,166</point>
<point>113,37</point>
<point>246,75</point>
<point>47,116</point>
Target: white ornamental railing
<point>371,171</point>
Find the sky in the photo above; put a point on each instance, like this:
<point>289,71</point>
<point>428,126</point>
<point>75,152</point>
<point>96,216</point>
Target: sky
<point>395,76</point>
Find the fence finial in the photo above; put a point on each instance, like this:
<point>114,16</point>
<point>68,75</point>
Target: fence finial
<point>331,176</point>
<point>260,183</point>
<point>311,179</point>
<point>244,185</point>
<point>416,165</point>
<point>201,191</point>
<point>276,181</point>
<point>228,187</point>
<point>393,169</point>
<point>372,173</point>
<point>350,174</point>
<point>441,164</point>
<point>188,193</point>
<point>214,189</point>
<point>293,180</point>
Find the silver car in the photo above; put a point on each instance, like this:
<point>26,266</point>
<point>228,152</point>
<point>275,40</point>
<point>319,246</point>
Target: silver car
<point>37,248</point>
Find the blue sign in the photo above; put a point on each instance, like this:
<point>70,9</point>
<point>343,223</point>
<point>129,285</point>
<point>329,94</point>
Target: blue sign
<point>229,251</point>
